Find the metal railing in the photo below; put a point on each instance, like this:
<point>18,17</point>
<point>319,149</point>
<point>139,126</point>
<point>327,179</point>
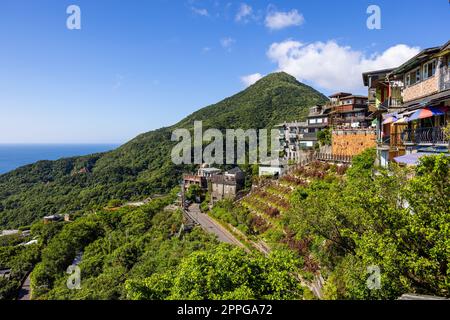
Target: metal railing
<point>329,157</point>
<point>433,135</point>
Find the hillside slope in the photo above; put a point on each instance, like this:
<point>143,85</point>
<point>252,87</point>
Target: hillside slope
<point>143,165</point>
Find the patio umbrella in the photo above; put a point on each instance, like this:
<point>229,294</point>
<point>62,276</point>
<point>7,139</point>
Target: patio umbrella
<point>427,113</point>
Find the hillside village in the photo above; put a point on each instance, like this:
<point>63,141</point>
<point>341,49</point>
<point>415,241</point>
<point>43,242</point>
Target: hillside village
<point>404,117</point>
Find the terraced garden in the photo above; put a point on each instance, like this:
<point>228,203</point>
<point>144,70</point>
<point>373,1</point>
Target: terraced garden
<point>260,215</point>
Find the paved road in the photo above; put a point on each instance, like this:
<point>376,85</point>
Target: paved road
<point>212,226</point>
<point>25,290</point>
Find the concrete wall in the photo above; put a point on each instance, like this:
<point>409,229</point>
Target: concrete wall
<point>352,142</point>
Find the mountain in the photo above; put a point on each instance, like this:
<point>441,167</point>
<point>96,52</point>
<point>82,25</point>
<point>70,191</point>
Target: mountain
<point>143,165</point>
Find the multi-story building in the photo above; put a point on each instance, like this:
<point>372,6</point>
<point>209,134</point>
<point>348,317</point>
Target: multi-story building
<point>289,134</point>
<point>227,185</point>
<point>298,137</point>
<point>318,120</point>
<point>412,106</point>
<point>349,111</point>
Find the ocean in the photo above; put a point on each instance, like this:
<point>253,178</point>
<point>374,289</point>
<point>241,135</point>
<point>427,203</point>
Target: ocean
<point>13,156</point>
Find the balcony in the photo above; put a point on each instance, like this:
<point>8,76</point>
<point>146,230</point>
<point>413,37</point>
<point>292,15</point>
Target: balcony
<point>308,136</point>
<point>392,141</point>
<point>425,136</point>
<point>390,103</point>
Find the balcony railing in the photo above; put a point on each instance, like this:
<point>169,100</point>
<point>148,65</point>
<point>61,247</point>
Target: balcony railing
<point>434,135</point>
<point>391,103</point>
<point>307,135</point>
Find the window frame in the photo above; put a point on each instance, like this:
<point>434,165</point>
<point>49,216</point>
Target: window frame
<point>413,72</point>
<point>426,65</point>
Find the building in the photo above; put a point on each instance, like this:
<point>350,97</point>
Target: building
<point>267,170</point>
<point>208,172</point>
<point>289,139</point>
<point>52,218</point>
<point>318,120</point>
<point>227,185</point>
<point>297,138</point>
<point>349,111</point>
<point>412,106</point>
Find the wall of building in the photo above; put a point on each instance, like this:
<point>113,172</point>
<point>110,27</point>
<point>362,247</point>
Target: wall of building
<point>352,142</point>
<point>421,89</point>
<point>223,191</point>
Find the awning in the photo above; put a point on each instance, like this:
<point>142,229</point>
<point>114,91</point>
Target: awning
<point>401,120</point>
<point>413,158</point>
<point>389,118</point>
<point>427,113</point>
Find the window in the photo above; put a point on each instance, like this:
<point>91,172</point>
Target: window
<point>429,69</point>
<point>319,120</point>
<point>312,121</point>
<point>411,78</point>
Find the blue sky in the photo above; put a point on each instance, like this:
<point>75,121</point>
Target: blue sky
<point>138,65</point>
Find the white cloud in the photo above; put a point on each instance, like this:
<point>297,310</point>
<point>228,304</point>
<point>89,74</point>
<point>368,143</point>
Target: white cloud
<point>245,11</point>
<point>250,79</point>
<point>277,20</point>
<point>227,43</point>
<point>118,82</point>
<point>200,11</point>
<point>333,67</point>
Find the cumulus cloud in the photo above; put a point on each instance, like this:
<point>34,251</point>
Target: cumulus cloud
<point>250,79</point>
<point>200,11</point>
<point>276,20</point>
<point>245,11</point>
<point>331,66</point>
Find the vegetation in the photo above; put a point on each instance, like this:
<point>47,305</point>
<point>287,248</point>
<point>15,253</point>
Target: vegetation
<point>19,259</point>
<point>129,243</point>
<point>194,193</point>
<point>378,218</point>
<point>224,273</point>
<point>324,137</point>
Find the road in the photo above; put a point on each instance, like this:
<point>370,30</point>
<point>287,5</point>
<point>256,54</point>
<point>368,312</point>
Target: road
<point>211,226</point>
<point>25,290</point>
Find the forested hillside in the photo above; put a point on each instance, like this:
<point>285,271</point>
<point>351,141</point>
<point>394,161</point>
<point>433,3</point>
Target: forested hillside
<point>142,166</point>
<point>337,222</point>
<point>348,223</point>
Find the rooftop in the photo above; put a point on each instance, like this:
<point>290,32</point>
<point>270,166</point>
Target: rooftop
<point>340,94</point>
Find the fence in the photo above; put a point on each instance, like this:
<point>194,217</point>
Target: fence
<point>329,157</point>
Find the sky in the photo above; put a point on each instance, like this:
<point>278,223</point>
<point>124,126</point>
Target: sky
<point>136,65</point>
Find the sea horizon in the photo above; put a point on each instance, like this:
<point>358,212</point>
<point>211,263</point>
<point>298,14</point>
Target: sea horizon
<point>16,155</point>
